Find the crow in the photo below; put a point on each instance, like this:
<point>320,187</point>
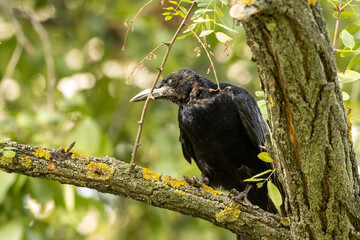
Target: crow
<point>221,129</point>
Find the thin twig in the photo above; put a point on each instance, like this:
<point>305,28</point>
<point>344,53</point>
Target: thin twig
<point>49,60</point>
<point>20,36</point>
<point>207,53</point>
<point>141,122</point>
<point>13,61</point>
<point>146,57</point>
<point>339,10</point>
<point>129,24</point>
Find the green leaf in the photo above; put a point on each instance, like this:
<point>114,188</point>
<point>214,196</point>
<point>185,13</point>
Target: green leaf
<point>262,173</point>
<point>348,76</point>
<point>357,45</point>
<point>184,36</point>
<point>205,33</point>
<point>184,10</point>
<point>9,154</point>
<point>166,13</point>
<point>200,20</point>
<point>225,2</point>
<point>345,96</point>
<point>173,2</point>
<point>226,27</point>
<point>353,29</point>
<point>202,4</point>
<point>345,14</point>
<point>167,18</point>
<point>203,10</point>
<point>192,26</point>
<point>354,62</point>
<point>347,39</point>
<point>169,8</point>
<point>264,156</point>
<point>259,93</point>
<point>218,10</point>
<point>254,179</point>
<point>274,195</point>
<point>187,1</point>
<point>178,12</point>
<point>222,37</point>
<point>9,148</point>
<point>261,103</point>
<point>259,184</point>
<point>4,140</point>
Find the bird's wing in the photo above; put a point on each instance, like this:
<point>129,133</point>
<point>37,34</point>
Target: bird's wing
<point>251,117</point>
<point>186,146</point>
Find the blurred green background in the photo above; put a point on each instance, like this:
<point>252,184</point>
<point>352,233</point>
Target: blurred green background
<point>89,104</point>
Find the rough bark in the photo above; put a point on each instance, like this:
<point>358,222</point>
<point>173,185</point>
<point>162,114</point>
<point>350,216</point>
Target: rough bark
<point>310,135</point>
<point>110,175</point>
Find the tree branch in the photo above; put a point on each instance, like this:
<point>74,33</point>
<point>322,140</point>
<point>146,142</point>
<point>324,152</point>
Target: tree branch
<point>113,176</point>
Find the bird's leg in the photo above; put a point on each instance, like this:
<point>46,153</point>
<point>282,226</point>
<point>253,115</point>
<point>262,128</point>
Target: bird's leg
<point>241,196</point>
<point>194,181</point>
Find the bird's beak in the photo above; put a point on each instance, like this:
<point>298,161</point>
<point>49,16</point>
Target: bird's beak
<point>158,93</point>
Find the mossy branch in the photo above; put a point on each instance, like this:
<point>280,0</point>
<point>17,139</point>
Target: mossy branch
<point>110,175</point>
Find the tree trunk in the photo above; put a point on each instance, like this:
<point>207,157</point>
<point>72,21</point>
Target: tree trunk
<point>311,142</point>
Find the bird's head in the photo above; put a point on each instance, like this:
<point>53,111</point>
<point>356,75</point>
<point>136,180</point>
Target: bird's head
<point>176,87</point>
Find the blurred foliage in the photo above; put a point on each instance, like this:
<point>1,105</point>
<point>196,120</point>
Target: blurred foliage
<point>89,104</point>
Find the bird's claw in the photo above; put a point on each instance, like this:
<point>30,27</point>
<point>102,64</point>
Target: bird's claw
<point>240,197</point>
<point>194,181</point>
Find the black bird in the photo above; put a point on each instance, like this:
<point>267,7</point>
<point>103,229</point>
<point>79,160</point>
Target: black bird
<point>221,130</point>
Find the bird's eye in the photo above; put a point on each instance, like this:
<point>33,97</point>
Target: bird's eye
<point>170,81</point>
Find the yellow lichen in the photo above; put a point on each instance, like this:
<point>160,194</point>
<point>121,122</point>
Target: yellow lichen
<point>100,171</point>
<point>51,166</point>
<point>349,128</point>
<point>41,153</point>
<point>312,2</point>
<point>150,175</point>
<point>25,161</point>
<point>230,214</point>
<point>5,160</point>
<point>272,102</point>
<point>209,189</point>
<point>76,154</point>
<point>179,192</point>
<point>248,2</point>
<point>174,183</point>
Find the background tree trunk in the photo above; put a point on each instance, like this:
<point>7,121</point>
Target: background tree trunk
<point>311,144</point>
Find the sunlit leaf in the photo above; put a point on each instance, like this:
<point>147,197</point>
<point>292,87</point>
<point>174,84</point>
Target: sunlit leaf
<point>187,1</point>
<point>345,96</point>
<point>222,37</point>
<point>357,45</point>
<point>262,173</point>
<point>274,195</point>
<point>225,2</point>
<point>200,20</point>
<point>173,2</point>
<point>167,18</point>
<point>184,10</point>
<point>354,62</point>
<point>353,28</point>
<point>192,26</point>
<point>203,10</point>
<point>166,13</point>
<point>254,179</point>
<point>180,13</point>
<point>348,76</point>
<point>259,93</point>
<point>226,27</point>
<point>347,39</point>
<point>184,36</point>
<point>4,140</point>
<point>259,184</point>
<point>169,8</point>
<point>9,154</point>
<point>205,33</point>
<point>264,156</point>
